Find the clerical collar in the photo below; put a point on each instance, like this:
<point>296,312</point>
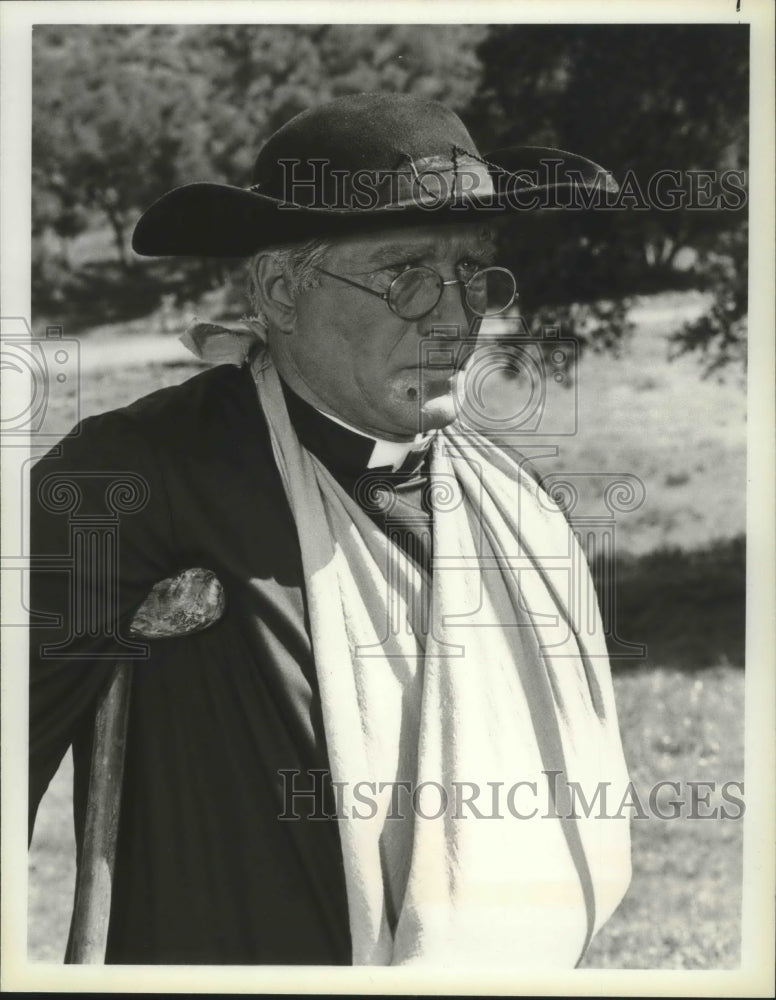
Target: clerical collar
<point>384,452</point>
<point>346,450</point>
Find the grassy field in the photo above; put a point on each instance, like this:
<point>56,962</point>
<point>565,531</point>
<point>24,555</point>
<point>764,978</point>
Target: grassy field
<point>682,910</point>
<point>684,438</point>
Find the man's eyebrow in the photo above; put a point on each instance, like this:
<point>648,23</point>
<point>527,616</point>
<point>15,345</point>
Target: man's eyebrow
<point>484,249</point>
<point>394,250</point>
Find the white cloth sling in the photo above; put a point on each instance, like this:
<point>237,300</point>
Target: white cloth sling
<point>463,686</point>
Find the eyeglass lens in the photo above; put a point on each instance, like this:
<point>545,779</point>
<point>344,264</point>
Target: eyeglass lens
<point>415,292</point>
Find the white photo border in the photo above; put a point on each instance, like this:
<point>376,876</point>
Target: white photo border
<point>755,976</point>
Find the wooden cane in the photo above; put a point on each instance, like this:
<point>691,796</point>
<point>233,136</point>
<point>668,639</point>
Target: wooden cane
<point>91,912</point>
<point>182,605</point>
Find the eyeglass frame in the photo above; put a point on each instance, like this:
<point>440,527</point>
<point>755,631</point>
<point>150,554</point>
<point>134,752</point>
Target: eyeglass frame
<point>385,296</point>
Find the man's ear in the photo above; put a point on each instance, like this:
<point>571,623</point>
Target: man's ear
<point>277,302</point>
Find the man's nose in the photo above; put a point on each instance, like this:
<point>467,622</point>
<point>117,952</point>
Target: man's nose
<point>448,318</point>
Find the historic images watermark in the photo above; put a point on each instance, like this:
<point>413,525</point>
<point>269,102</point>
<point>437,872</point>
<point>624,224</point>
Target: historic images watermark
<point>532,377</point>
<point>36,368</point>
<point>542,401</point>
<point>519,800</point>
<point>550,184</point>
<point>42,404</point>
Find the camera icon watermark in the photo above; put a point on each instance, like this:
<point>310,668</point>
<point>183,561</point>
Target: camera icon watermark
<point>41,383</point>
<point>510,383</point>
<point>408,529</point>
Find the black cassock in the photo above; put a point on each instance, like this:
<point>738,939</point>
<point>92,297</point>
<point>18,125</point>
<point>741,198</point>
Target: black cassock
<point>206,872</point>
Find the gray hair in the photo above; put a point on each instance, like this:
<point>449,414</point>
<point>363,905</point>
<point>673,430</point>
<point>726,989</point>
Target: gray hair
<point>298,261</point>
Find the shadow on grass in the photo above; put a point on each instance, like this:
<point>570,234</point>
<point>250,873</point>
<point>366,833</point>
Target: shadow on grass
<point>687,607</point>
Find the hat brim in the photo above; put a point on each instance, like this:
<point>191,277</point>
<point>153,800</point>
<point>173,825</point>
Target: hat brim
<point>206,219</point>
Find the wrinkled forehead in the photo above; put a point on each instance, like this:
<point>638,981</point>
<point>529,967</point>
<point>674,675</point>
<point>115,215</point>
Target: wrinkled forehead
<point>431,241</point>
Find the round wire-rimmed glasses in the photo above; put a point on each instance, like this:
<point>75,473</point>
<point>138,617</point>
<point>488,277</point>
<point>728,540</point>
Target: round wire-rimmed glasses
<point>415,292</point>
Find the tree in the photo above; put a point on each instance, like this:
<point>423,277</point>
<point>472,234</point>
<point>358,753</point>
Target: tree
<point>263,75</point>
<point>110,122</point>
<point>640,99</point>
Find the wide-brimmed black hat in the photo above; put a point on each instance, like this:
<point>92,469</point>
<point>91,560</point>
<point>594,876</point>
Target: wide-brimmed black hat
<point>358,162</point>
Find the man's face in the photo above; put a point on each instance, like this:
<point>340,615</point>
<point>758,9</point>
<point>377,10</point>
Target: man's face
<point>356,358</point>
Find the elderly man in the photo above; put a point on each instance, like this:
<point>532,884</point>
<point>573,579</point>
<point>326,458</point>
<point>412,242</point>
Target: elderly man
<point>369,758</point>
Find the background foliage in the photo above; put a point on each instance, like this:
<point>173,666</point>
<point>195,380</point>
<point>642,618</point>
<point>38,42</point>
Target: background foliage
<point>640,99</point>
<point>122,113</point>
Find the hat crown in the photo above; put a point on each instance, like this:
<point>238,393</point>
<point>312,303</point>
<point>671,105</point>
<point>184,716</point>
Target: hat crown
<point>373,132</point>
<point>357,162</point>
